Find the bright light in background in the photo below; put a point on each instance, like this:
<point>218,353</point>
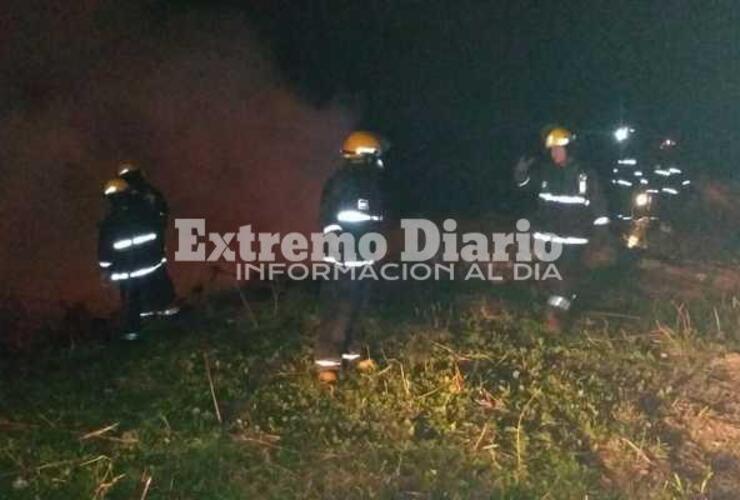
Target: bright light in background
<point>642,199</point>
<point>623,133</point>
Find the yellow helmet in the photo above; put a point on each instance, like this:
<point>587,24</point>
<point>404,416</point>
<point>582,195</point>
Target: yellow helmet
<point>115,186</point>
<point>128,167</point>
<point>558,136</point>
<point>361,143</point>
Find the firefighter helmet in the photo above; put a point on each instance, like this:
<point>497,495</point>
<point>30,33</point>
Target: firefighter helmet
<point>361,143</point>
<point>558,136</point>
<point>115,186</point>
<point>128,167</point>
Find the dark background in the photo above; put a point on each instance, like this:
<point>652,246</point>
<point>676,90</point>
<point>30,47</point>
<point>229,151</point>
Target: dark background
<point>463,87</point>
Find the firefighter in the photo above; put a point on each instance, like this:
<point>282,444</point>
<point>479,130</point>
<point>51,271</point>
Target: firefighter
<point>632,187</point>
<point>131,255</point>
<point>670,181</point>
<point>140,186</point>
<point>571,209</point>
<point>351,202</point>
<point>628,175</point>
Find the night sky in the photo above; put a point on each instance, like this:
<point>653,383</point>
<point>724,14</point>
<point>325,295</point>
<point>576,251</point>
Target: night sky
<point>464,87</point>
<point>444,72</point>
<point>237,108</point>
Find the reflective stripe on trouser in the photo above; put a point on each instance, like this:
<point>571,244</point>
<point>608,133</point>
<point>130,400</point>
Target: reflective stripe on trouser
<point>131,297</point>
<point>153,292</point>
<point>341,302</point>
<point>559,302</point>
<point>571,269</point>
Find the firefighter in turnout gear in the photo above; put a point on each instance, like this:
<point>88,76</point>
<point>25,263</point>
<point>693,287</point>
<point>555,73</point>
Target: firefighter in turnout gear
<point>352,202</point>
<point>628,175</point>
<point>670,182</point>
<point>571,209</point>
<point>631,189</point>
<point>131,255</point>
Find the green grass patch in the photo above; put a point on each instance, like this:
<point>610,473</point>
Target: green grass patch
<point>471,400</point>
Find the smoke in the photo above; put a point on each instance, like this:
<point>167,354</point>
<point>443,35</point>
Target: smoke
<point>193,98</point>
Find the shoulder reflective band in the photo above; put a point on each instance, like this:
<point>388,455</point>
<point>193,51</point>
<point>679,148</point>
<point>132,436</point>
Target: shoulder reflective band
<point>350,357</point>
<point>136,240</point>
<point>601,221</point>
<point>565,199</point>
<point>669,190</point>
<point>105,264</point>
<point>332,228</point>
<point>638,173</point>
<point>565,240</point>
<point>685,183</point>
<point>559,302</point>
<point>348,263</point>
<point>674,170</point>
<point>664,173</point>
<point>328,363</point>
<point>524,182</point>
<point>644,181</point>
<point>356,216</point>
<point>627,161</point>
<point>652,191</point>
<point>138,273</point>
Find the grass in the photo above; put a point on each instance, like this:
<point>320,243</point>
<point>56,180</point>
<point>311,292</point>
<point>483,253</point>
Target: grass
<point>471,400</point>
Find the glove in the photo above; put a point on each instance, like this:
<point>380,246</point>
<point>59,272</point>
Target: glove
<point>521,171</point>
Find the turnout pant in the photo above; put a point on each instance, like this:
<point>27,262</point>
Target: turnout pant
<point>571,267</point>
<point>143,295</point>
<point>131,295</point>
<point>341,302</point>
<point>159,292</point>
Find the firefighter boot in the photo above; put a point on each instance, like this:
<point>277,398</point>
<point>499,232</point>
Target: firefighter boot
<point>353,358</point>
<point>327,370</point>
<point>553,321</point>
<point>328,377</point>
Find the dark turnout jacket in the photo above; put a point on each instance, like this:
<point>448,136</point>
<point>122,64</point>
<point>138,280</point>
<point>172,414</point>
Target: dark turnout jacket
<point>352,200</point>
<point>570,201</point>
<point>142,189</point>
<point>130,241</point>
